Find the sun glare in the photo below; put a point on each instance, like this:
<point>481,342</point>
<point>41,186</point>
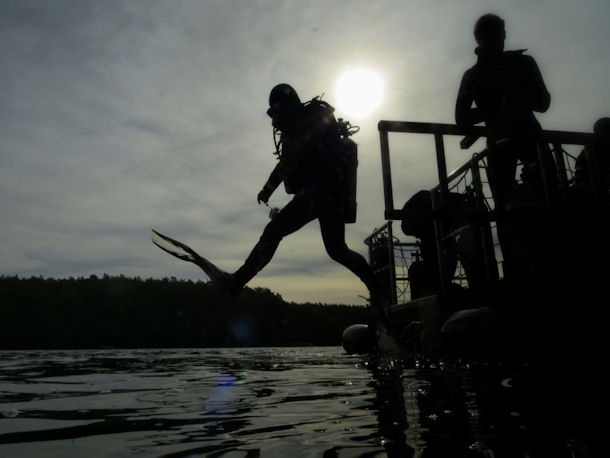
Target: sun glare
<point>359,92</point>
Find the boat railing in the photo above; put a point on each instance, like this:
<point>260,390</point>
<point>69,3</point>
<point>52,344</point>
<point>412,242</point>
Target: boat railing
<point>470,180</point>
<point>391,258</point>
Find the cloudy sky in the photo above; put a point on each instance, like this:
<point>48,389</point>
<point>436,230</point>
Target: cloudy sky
<point>122,116</point>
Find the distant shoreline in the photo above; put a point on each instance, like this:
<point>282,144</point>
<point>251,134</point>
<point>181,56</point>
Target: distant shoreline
<point>115,312</point>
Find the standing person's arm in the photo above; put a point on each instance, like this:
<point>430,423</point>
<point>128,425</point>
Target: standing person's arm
<point>528,90</point>
<point>465,114</point>
<point>540,98</point>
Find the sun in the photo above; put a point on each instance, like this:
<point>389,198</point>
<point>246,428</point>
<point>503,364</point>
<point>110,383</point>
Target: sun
<point>359,92</point>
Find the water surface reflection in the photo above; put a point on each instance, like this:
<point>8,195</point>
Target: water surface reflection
<point>256,402</point>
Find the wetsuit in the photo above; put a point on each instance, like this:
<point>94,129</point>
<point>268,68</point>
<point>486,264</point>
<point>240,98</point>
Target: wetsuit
<point>309,169</point>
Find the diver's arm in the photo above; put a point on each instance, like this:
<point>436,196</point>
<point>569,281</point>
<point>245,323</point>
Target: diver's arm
<point>272,183</point>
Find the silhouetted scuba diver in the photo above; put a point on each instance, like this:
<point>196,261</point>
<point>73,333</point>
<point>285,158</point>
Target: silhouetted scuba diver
<point>418,221</point>
<point>312,165</point>
<point>506,87</point>
<point>317,163</point>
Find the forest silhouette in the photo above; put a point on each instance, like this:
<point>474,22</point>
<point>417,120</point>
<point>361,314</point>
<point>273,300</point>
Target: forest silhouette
<point>121,312</point>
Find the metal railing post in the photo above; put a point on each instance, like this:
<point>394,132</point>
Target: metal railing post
<point>491,267</point>
<point>392,263</point>
<point>593,173</point>
<point>386,172</point>
<point>545,168</point>
<point>439,206</point>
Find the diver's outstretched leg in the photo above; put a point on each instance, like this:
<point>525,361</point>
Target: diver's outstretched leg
<point>290,219</point>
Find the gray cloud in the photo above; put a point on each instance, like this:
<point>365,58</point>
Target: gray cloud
<point>122,116</point>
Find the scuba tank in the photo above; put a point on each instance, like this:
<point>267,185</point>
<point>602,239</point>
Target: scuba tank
<point>341,152</point>
<point>349,170</point>
<point>349,163</point>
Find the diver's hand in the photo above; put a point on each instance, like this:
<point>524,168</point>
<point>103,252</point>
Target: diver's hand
<point>264,195</point>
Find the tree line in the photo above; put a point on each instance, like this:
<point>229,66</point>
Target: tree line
<point>121,312</point>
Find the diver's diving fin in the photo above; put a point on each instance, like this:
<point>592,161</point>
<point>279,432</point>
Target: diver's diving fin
<point>186,253</point>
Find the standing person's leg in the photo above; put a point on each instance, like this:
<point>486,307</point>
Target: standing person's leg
<point>291,218</point>
<point>501,175</point>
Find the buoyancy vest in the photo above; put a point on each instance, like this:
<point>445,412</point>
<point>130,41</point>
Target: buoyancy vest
<point>315,152</point>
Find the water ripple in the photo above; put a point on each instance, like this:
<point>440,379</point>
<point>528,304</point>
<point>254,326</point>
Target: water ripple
<point>253,402</point>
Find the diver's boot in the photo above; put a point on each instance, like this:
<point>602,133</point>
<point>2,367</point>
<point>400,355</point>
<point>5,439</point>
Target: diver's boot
<point>379,324</point>
<point>385,341</point>
<point>381,334</point>
<point>225,280</point>
<point>228,283</point>
<point>380,305</point>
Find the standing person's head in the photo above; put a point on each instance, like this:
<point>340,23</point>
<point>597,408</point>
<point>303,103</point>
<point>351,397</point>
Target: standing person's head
<point>490,34</point>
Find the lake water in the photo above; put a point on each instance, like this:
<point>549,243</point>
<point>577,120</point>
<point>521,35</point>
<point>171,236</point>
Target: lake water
<point>271,402</point>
